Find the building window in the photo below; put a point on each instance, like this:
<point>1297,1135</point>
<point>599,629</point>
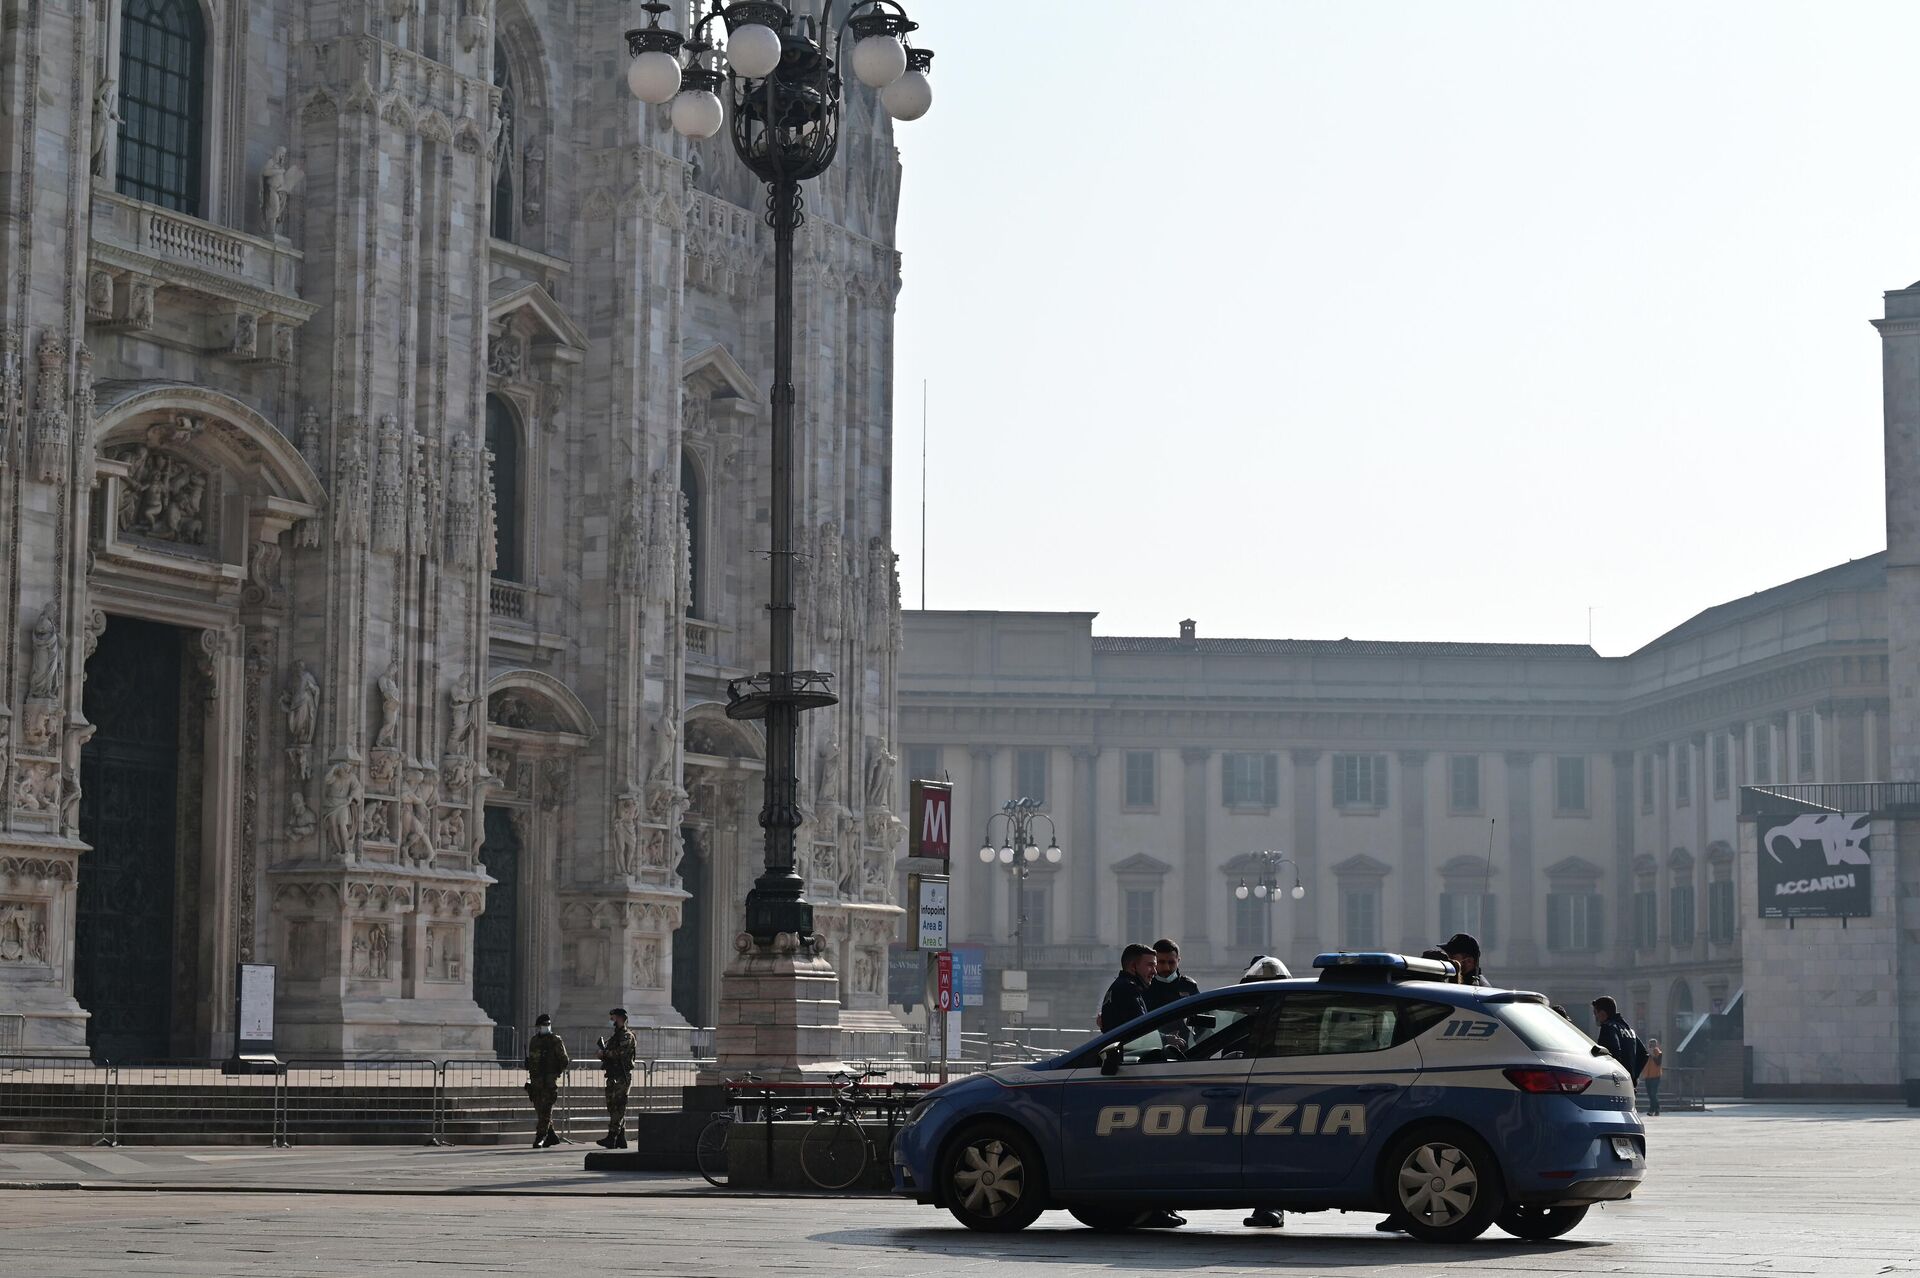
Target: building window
<point>504,151</point>
<point>1463,783</point>
<point>1720,911</point>
<point>1570,785</point>
<point>1250,780</point>
<point>1574,922</point>
<point>1682,775</point>
<point>1470,912</point>
<point>1803,745</point>
<point>1140,915</point>
<point>923,763</point>
<point>1680,914</point>
<point>1030,774</point>
<point>694,511</point>
<point>1646,782</point>
<point>1762,754</point>
<point>1359,780</point>
<point>503,442</point>
<point>1250,924</point>
<point>162,102</point>
<point>1646,917</point>
<point>1722,765</point>
<point>1141,778</point>
<point>1360,917</point>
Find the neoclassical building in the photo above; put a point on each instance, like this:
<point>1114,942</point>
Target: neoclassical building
<point>384,490</point>
<point>1579,813</point>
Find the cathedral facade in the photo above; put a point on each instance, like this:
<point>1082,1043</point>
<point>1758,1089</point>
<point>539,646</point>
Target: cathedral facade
<point>384,486</point>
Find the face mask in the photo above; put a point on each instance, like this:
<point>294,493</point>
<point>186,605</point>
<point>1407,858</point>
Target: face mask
<point>1168,977</point>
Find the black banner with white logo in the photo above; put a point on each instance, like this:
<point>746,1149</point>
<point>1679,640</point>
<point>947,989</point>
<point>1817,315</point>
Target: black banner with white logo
<point>1818,865</point>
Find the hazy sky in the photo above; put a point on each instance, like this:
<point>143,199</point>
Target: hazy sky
<point>1399,320</point>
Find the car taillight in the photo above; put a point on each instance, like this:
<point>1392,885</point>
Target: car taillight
<point>1566,1082</point>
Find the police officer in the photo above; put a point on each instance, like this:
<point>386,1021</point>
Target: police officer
<point>1170,984</point>
<point>1464,950</point>
<point>1127,996</point>
<point>546,1062</point>
<point>616,1057</point>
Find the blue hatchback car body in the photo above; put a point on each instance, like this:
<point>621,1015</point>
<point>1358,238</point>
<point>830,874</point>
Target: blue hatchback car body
<point>1380,1086</point>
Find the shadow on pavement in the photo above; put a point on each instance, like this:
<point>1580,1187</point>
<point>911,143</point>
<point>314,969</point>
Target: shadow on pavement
<point>1194,1248</point>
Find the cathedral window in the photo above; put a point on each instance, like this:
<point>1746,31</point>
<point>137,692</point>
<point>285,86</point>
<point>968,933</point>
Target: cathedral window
<point>503,148</point>
<point>162,102</point>
<point>695,508</point>
<point>503,441</point>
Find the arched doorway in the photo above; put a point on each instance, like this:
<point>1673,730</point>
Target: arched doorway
<point>129,904</point>
<point>496,935</point>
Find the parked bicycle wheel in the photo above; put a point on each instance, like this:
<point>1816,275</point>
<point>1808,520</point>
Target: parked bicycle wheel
<point>710,1152</point>
<point>834,1153</point>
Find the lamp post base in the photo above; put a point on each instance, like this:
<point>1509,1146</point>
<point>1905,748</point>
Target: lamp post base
<point>779,1013</point>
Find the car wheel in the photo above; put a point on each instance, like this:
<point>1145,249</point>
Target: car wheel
<point>1106,1220</point>
<point>992,1179</point>
<point>1537,1224</point>
<point>1442,1185</point>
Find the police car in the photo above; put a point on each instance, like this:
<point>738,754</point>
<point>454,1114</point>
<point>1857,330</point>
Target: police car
<point>1380,1086</point>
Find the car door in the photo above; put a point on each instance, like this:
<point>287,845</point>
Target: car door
<point>1332,1066</point>
<point>1166,1115</point>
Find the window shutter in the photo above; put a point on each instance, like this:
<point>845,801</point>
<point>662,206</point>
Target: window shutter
<point>1595,933</point>
<point>1272,779</point>
<point>1226,780</point>
<point>1380,780</point>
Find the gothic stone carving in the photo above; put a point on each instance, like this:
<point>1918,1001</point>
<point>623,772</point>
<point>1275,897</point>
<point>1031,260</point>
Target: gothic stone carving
<point>342,817</point>
<point>164,496</point>
<point>301,703</point>
<point>646,964</point>
<point>23,933</point>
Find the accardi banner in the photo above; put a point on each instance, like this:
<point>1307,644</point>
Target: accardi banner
<point>1818,865</point>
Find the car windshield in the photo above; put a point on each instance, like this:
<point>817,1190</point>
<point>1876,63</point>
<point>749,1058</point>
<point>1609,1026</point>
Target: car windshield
<point>1543,1029</point>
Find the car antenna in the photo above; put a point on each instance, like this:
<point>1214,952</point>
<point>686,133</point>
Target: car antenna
<point>1486,883</point>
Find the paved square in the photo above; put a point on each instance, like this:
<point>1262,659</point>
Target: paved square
<point>1744,1190</point>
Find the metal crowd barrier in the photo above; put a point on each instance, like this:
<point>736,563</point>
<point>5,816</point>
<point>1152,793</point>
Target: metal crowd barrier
<point>13,1031</point>
<point>56,1096</point>
<point>337,1097</point>
<point>175,1100</point>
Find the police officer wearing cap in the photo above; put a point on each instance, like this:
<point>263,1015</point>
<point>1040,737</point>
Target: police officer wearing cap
<point>1464,950</point>
<point>546,1062</point>
<point>616,1057</point>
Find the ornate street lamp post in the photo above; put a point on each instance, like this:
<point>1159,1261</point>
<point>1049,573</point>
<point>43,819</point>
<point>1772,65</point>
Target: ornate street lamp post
<point>1020,851</point>
<point>1267,886</point>
<point>782,83</point>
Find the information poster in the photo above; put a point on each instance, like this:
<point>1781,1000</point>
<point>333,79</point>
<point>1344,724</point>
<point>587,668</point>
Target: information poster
<point>256,1006</point>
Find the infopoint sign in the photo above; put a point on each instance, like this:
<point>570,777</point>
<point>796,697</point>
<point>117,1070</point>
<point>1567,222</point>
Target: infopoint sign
<point>1818,865</point>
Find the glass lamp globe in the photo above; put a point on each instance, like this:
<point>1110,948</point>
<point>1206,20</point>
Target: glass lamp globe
<point>754,50</point>
<point>909,97</point>
<point>1260,890</point>
<point>654,77</point>
<point>1053,853</point>
<point>1033,851</point>
<point>879,60</point>
<point>986,853</point>
<point>1299,891</point>
<point>1240,893</point>
<point>697,114</point>
<point>1006,856</point>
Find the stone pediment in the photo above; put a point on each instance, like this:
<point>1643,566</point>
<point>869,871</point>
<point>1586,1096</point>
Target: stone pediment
<point>1141,863</point>
<point>1464,866</point>
<point>541,320</point>
<point>1362,867</point>
<point>1573,867</point>
<point>722,372</point>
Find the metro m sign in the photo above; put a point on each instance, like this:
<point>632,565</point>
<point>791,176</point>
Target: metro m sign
<point>930,819</point>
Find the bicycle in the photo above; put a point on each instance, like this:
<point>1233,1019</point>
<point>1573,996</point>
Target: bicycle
<point>835,1151</point>
<point>710,1150</point>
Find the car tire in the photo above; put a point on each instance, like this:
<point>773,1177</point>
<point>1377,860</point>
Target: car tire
<point>1537,1224</point>
<point>992,1179</point>
<point>1441,1185</point>
<point>1107,1220</point>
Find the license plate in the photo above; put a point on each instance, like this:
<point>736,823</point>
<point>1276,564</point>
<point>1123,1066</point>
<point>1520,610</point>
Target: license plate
<point>1623,1147</point>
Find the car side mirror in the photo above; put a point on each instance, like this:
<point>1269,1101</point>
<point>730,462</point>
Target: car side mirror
<point>1110,1060</point>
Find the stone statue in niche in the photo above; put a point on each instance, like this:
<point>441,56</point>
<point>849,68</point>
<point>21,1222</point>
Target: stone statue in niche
<point>646,965</point>
<point>300,819</point>
<point>301,703</point>
<point>626,834</point>
<point>277,182</point>
<point>880,776</point>
<point>533,168</point>
<point>106,114</point>
<point>415,835</point>
<point>389,688</point>
<point>460,737</point>
<point>865,973</point>
<point>374,824</point>
<point>453,831</point>
<point>49,661</point>
<point>342,816</point>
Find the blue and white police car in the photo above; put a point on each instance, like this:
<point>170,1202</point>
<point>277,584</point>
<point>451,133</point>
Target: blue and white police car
<point>1380,1086</point>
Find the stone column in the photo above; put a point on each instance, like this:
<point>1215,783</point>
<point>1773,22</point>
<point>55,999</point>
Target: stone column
<point>1193,823</point>
<point>1306,852</point>
<point>1900,385</point>
<point>1847,757</point>
<point>1523,948</point>
<point>1417,895</point>
<point>1623,828</point>
<point>1083,855</point>
<point>980,878</point>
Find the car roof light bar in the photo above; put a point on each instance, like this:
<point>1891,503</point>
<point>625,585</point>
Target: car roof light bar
<point>1378,965</point>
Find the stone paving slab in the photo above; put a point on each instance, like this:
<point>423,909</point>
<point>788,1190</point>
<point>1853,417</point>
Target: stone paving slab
<point>1745,1192</point>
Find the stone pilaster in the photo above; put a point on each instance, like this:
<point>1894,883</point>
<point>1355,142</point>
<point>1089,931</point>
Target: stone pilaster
<point>1305,797</point>
<point>1523,947</point>
<point>1084,854</point>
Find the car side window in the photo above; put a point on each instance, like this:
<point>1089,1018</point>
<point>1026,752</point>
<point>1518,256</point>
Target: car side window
<point>1219,1030</point>
<point>1312,1023</point>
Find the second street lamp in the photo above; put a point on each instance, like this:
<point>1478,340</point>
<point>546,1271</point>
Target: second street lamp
<point>1267,887</point>
<point>1020,852</point>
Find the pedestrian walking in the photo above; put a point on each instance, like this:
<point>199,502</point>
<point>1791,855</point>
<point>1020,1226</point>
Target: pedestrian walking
<point>1618,1037</point>
<point>546,1063</point>
<point>1655,1070</point>
<point>617,1051</point>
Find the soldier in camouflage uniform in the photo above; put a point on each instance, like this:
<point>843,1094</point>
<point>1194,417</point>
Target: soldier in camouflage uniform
<point>546,1062</point>
<point>616,1057</point>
